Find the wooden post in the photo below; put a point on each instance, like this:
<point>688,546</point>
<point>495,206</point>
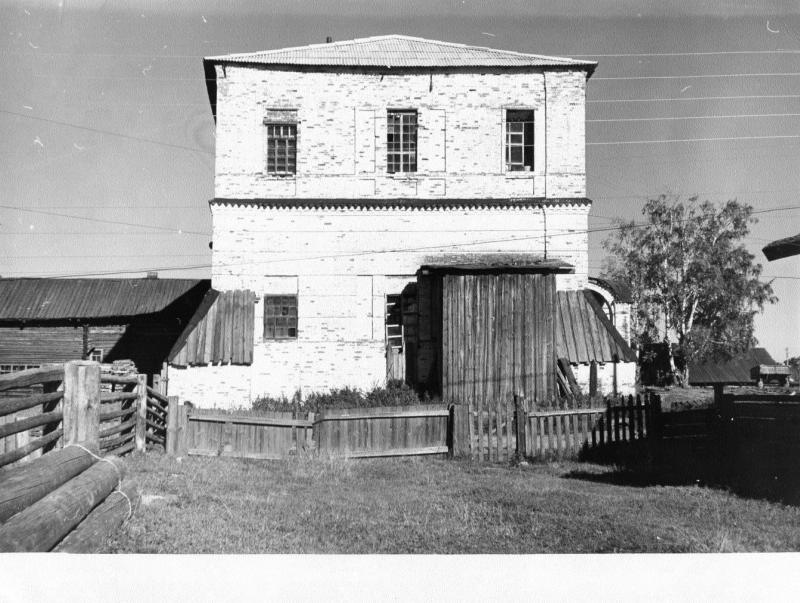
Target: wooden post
<point>593,379</point>
<point>459,430</point>
<point>141,413</point>
<point>725,443</point>
<point>173,408</point>
<point>520,421</point>
<point>182,441</point>
<point>82,403</point>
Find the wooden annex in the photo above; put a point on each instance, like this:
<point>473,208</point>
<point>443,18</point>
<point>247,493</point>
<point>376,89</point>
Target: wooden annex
<point>487,331</point>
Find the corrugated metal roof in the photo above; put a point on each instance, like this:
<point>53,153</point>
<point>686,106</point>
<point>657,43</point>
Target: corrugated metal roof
<point>737,370</point>
<point>406,203</point>
<point>35,299</point>
<point>584,333</point>
<point>782,248</point>
<point>396,51</point>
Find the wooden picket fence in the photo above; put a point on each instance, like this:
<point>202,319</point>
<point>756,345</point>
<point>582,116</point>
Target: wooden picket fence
<point>506,431</point>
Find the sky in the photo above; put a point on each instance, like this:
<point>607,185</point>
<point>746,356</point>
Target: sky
<point>106,153</point>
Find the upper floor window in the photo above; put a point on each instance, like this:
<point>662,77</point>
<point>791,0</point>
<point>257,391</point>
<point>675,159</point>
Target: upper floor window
<point>281,125</point>
<point>519,140</point>
<point>280,317</point>
<point>401,141</point>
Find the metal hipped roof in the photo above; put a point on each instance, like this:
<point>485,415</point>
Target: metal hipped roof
<point>782,248</point>
<point>49,299</point>
<point>585,334</point>
<point>736,371</point>
<point>397,51</point>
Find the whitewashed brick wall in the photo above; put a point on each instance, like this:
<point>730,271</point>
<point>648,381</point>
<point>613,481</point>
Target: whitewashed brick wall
<point>341,146</point>
<point>327,256</point>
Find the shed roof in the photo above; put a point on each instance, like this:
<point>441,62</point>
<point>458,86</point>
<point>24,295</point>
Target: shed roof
<point>398,51</point>
<point>493,262</point>
<point>782,248</point>
<point>585,334</point>
<point>736,371</point>
<point>50,299</point>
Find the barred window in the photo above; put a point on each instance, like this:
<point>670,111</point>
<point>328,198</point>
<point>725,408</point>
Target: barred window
<point>281,148</point>
<point>280,317</point>
<point>519,140</point>
<point>401,141</point>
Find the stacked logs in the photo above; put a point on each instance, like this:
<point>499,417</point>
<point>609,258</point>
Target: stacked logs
<point>68,500</point>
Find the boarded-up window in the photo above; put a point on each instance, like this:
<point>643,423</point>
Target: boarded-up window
<point>280,317</point>
<point>401,141</point>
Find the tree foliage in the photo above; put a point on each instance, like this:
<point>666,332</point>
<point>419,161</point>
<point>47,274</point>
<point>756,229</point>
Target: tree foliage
<point>694,285</point>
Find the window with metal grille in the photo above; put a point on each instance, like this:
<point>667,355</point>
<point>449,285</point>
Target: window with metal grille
<point>280,317</point>
<point>281,148</point>
<point>519,140</point>
<point>401,141</point>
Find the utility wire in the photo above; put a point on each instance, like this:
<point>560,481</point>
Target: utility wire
<point>101,221</point>
<point>691,98</point>
<point>379,252</point>
<point>745,115</point>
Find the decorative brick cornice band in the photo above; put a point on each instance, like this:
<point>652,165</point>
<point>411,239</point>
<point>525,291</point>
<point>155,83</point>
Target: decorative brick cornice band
<point>406,204</point>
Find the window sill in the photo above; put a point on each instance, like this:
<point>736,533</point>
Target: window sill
<point>403,175</point>
<point>520,175</point>
<point>265,176</point>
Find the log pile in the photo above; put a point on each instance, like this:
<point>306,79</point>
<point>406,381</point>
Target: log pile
<point>67,500</point>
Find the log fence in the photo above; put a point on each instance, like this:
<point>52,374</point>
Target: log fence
<point>71,498</point>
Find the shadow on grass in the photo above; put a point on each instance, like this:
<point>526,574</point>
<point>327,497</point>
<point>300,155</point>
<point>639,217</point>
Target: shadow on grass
<point>694,462</point>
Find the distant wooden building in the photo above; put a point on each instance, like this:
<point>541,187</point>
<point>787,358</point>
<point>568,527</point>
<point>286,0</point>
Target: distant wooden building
<point>55,320</point>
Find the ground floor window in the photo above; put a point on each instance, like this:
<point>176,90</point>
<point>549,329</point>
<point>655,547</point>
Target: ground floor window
<point>280,317</point>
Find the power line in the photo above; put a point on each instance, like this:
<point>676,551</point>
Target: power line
<point>695,76</point>
<point>743,115</point>
<point>689,54</point>
<point>101,221</point>
<point>378,252</point>
<point>691,98</point>
<point>107,132</point>
<point>622,142</point>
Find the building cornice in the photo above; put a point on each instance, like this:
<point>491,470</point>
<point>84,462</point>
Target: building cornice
<point>510,203</point>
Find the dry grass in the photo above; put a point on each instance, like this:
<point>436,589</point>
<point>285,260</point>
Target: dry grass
<point>433,506</point>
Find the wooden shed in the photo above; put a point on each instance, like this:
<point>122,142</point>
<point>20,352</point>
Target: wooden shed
<point>486,330</point>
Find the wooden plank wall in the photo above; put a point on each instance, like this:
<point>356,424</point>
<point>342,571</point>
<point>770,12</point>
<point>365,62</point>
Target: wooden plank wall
<point>498,335</point>
<point>382,432</point>
<point>246,434</point>
<point>225,334</point>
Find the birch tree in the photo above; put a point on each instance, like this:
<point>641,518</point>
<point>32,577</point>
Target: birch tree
<point>695,286</point>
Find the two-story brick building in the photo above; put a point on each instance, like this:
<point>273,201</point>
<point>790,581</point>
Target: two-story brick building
<point>342,168</point>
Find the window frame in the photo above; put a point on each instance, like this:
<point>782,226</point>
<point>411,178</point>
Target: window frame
<point>282,320</point>
<point>94,351</point>
<point>526,142</point>
<point>277,120</point>
<point>406,149</point>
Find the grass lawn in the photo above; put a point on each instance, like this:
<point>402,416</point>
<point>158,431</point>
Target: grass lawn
<point>417,505</point>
